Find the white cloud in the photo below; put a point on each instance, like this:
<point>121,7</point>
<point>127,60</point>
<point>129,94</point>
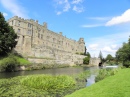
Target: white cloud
<point>5,14</point>
<point>77,1</point>
<point>124,18</point>
<point>92,25</point>
<point>93,46</point>
<point>62,5</point>
<point>59,12</point>
<point>108,49</point>
<point>14,7</point>
<point>65,6</point>
<point>114,46</point>
<point>99,18</point>
<point>78,9</point>
<point>107,44</point>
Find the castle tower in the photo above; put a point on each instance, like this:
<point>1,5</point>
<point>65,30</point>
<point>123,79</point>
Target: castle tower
<point>82,45</point>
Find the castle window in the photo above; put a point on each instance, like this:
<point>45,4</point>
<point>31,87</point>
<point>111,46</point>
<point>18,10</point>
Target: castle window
<point>12,22</point>
<point>54,39</point>
<point>18,31</point>
<point>48,37</point>
<point>41,36</point>
<point>39,29</point>
<point>23,40</point>
<point>29,25</point>
<point>19,23</point>
<point>38,35</point>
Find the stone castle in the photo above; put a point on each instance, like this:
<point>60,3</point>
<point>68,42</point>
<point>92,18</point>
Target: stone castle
<point>36,41</point>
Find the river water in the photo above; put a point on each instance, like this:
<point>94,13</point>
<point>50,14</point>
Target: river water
<point>55,71</point>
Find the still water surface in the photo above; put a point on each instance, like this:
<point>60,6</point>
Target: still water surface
<point>55,71</point>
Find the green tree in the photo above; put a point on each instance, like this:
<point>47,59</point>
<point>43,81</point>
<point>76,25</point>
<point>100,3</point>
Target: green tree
<point>86,59</point>
<point>123,54</point>
<point>109,57</point>
<point>7,36</point>
<point>100,56</point>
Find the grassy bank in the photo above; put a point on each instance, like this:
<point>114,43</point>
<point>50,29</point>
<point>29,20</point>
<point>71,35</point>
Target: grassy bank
<point>20,60</point>
<point>10,62</point>
<point>117,85</point>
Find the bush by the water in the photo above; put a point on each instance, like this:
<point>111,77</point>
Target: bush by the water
<point>103,73</point>
<point>9,64</point>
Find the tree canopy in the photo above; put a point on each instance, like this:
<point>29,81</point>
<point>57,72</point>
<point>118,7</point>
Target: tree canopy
<point>100,56</point>
<point>7,36</point>
<point>86,59</point>
<point>123,54</point>
<point>109,57</point>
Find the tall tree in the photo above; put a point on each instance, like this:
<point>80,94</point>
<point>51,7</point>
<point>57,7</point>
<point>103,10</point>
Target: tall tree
<point>100,56</point>
<point>7,36</point>
<point>123,54</point>
<point>88,54</point>
<point>109,57</point>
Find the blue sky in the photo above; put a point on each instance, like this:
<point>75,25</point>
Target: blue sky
<point>104,24</point>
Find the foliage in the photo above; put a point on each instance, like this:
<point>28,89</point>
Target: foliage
<point>88,54</point>
<point>81,53</point>
<point>109,57</point>
<point>22,61</point>
<point>7,37</point>
<point>100,56</point>
<point>123,54</point>
<point>48,82</point>
<point>82,76</point>
<point>103,73</point>
<point>87,59</point>
<point>37,86</point>
<point>13,88</point>
<point>114,86</point>
<point>8,64</point>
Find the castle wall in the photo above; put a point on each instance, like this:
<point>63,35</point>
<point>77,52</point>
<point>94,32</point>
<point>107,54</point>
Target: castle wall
<point>37,40</point>
<point>94,61</point>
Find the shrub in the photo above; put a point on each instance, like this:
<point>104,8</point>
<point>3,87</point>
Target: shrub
<point>103,73</point>
<point>86,60</point>
<point>8,64</point>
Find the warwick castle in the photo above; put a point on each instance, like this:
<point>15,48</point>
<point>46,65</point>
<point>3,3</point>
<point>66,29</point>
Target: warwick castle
<point>40,45</point>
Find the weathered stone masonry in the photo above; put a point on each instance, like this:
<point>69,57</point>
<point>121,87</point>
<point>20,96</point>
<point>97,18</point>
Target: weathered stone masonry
<point>35,40</point>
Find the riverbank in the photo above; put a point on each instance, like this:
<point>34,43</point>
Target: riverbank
<point>113,86</point>
<point>42,85</point>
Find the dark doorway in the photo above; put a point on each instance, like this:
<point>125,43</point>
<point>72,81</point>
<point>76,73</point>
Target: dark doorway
<point>100,64</point>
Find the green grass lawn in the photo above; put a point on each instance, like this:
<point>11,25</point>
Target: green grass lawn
<point>113,86</point>
<point>22,61</point>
